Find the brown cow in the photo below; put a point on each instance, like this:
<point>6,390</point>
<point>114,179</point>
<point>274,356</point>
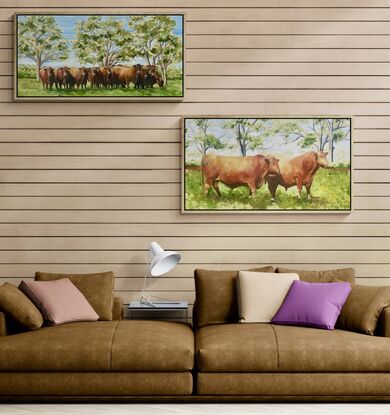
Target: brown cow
<point>140,76</point>
<point>85,78</point>
<point>59,74</point>
<point>153,77</point>
<point>298,171</point>
<point>147,76</point>
<point>47,77</point>
<point>75,77</point>
<point>237,171</point>
<point>124,75</point>
<point>105,75</point>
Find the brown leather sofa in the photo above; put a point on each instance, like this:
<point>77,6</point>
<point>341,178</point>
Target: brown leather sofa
<point>96,360</point>
<point>269,362</point>
<point>130,360</point>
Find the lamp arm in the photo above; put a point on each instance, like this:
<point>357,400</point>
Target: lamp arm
<point>145,295</point>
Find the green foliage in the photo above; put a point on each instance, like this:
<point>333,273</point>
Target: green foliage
<point>330,191</point>
<point>291,131</point>
<point>101,41</point>
<point>152,38</point>
<point>308,140</point>
<point>248,132</point>
<point>174,73</point>
<point>26,71</point>
<point>33,88</point>
<point>41,40</point>
<point>202,139</point>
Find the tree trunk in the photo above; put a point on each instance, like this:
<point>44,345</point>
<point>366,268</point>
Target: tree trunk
<point>242,146</point>
<point>164,71</point>
<point>241,141</point>
<point>37,68</point>
<point>331,143</point>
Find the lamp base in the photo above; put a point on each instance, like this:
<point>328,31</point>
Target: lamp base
<point>154,301</point>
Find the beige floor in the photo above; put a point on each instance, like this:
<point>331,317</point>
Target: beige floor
<point>198,409</point>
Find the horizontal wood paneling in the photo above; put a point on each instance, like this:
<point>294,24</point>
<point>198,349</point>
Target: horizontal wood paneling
<point>155,203</point>
<point>84,187</point>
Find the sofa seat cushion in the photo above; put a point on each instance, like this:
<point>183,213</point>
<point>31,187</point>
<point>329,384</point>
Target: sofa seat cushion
<point>237,348</point>
<point>153,346</point>
<point>315,350</point>
<point>100,346</point>
<point>261,347</point>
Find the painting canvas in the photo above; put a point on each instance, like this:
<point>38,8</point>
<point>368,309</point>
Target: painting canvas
<point>99,57</point>
<point>237,164</point>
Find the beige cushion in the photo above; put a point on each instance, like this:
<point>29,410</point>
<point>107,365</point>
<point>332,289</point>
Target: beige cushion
<point>332,275</point>
<point>363,308</point>
<point>15,303</point>
<point>216,296</point>
<point>59,301</point>
<point>98,289</point>
<point>261,294</point>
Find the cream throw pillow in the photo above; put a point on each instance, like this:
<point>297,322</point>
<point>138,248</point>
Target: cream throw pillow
<point>261,294</point>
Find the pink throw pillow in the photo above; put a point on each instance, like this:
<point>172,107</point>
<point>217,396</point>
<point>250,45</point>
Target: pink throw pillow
<point>59,301</point>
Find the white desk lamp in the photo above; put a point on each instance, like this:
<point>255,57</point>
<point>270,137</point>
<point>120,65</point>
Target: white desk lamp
<point>159,262</point>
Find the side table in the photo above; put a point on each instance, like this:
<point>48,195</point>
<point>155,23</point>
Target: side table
<point>158,306</point>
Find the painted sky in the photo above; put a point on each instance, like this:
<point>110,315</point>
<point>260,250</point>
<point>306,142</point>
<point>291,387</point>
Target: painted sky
<point>67,24</point>
<point>275,144</point>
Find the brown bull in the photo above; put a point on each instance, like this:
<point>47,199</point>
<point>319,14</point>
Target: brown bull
<point>75,77</point>
<point>124,75</point>
<point>247,171</point>
<point>298,171</point>
<point>60,74</point>
<point>147,76</point>
<point>47,77</point>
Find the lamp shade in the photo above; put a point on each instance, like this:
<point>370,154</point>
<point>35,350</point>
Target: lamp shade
<point>162,261</point>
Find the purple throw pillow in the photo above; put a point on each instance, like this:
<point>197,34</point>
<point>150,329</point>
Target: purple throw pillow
<point>313,304</point>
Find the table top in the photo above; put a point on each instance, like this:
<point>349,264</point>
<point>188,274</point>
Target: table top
<point>159,305</point>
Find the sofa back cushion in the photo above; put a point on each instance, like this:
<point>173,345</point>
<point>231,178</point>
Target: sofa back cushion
<point>333,275</point>
<point>260,295</point>
<point>59,301</point>
<point>19,307</point>
<point>98,289</point>
<point>216,296</point>
<point>363,308</point>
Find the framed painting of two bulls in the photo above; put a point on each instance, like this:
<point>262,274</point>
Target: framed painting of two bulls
<point>92,57</point>
<point>252,164</point>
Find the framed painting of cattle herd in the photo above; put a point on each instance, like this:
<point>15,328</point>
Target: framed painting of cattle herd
<point>96,57</point>
<point>251,164</point>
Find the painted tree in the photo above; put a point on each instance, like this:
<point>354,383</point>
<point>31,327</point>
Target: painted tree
<point>201,137</point>
<point>153,39</point>
<point>320,133</point>
<point>248,133</point>
<point>101,40</point>
<point>339,130</point>
<point>41,40</point>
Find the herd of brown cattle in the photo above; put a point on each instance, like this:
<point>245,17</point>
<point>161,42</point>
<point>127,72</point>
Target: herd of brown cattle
<point>253,171</point>
<point>141,76</point>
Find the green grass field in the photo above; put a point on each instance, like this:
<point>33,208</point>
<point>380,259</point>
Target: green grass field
<point>28,87</point>
<point>330,191</point>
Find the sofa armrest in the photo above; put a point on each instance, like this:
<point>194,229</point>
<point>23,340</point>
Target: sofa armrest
<point>3,325</point>
<point>384,323</point>
<point>117,309</point>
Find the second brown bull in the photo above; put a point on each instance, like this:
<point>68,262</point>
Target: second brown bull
<point>298,171</point>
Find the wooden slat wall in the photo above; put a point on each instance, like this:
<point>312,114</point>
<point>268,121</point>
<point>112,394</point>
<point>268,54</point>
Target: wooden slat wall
<point>84,187</point>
